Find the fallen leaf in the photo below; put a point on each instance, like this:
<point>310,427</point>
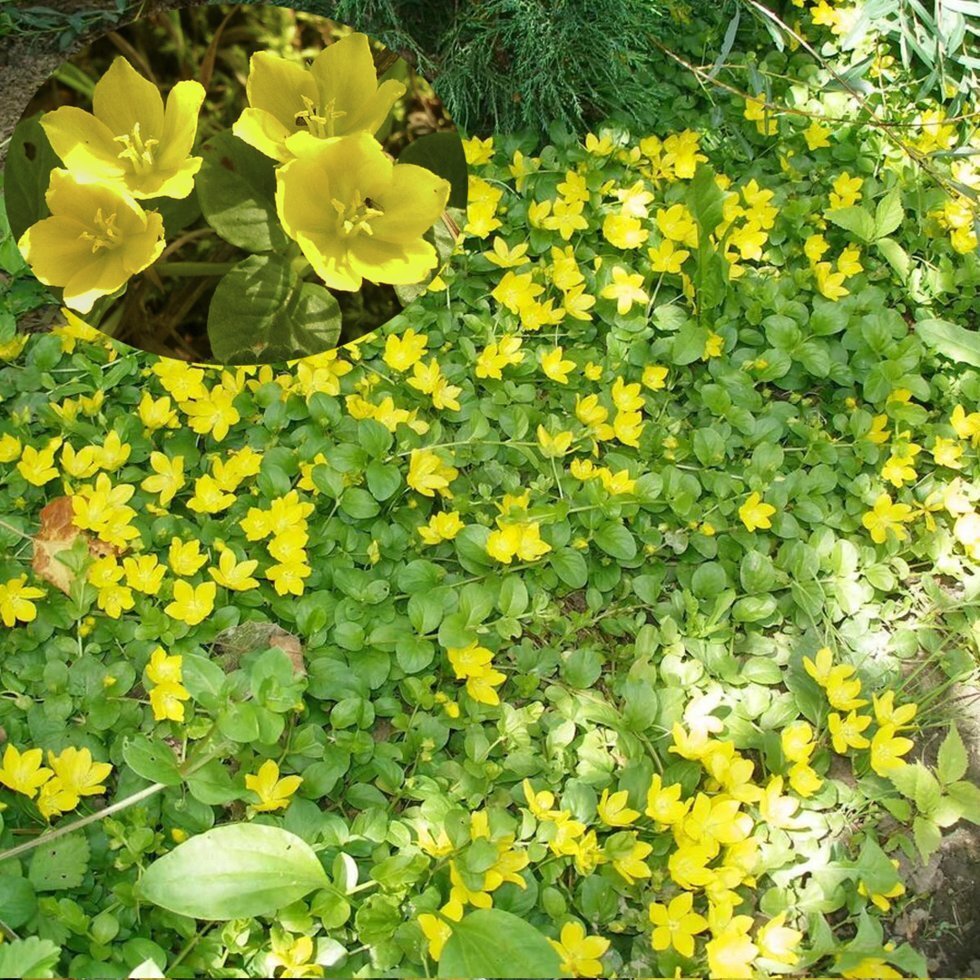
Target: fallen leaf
<point>57,534</point>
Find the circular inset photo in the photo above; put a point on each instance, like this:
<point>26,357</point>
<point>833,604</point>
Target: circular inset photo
<point>235,184</point>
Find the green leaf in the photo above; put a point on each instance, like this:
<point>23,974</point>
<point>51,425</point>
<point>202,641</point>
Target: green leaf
<point>570,567</point>
<point>895,256</point>
<point>60,864</point>
<point>261,313</point>
<point>855,220</point>
<point>31,957</point>
<point>952,760</point>
<point>493,943</point>
<point>356,502</point>
<point>967,796</point>
<point>705,200</point>
<point>616,541</point>
<point>154,761</point>
<point>889,214</point>
<point>442,153</point>
<point>18,901</point>
<point>927,837</point>
<point>956,343</point>
<point>26,173</point>
<point>233,872</point>
<point>236,188</point>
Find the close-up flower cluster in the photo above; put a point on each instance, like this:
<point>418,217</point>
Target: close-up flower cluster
<point>331,198</point>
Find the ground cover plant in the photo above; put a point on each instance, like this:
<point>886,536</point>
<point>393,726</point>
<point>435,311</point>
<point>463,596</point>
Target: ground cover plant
<point>609,599</point>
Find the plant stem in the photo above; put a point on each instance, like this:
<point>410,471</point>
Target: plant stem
<point>193,268</point>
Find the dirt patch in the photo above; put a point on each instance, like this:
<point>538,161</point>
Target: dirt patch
<point>943,921</point>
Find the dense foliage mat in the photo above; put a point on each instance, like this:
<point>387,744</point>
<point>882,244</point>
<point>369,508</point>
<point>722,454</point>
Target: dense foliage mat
<point>604,605</point>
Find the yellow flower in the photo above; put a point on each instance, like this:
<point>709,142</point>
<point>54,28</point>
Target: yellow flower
<point>887,517</point>
<point>337,95</point>
<point>566,218</point>
<point>213,413</point>
<point>849,262</point>
<point>846,192</point>
<point>580,954</point>
<point>130,140</point>
<point>505,257</point>
<point>614,812</point>
<point>555,367</point>
<point>946,452</point>
<point>428,474</point>
<point>37,465</point>
<point>96,239</point>
<point>814,247</point>
<point>474,664</point>
<point>626,289</point>
<point>816,136</point>
<point>77,772</point>
<point>655,377</point>
<point>777,941</point>
<point>208,496</point>
<point>887,714</point>
<point>169,476</point>
<point>714,346</point>
<point>842,690</point>
<point>676,925</point>
<point>273,793</point>
<point>797,742</point>
<point>234,574</point>
<point>157,413</point>
<point>554,446</point>
<point>881,899</point>
<point>966,426</point>
<point>667,257</point>
<point>402,352</point>
<point>755,514</point>
<point>516,290</point>
<point>846,733</point>
<point>10,448</point>
<point>624,231</point>
<point>15,601</point>
<point>436,931</point>
<point>478,151</point>
<point>872,968</point>
<point>664,803</point>
<point>829,283</point>
<point>521,539</point>
<point>192,604</point>
<point>731,952</point>
<point>443,526</point>
<point>630,864</point>
<point>184,557</point>
<point>356,215</point>
<point>22,771</point>
<point>294,955</point>
<point>144,573</point>
<point>887,750</point>
<point>168,693</point>
<point>758,112</point>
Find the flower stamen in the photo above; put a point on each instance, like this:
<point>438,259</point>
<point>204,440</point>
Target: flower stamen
<point>319,122</point>
<point>108,236</point>
<point>354,217</point>
<point>138,151</point>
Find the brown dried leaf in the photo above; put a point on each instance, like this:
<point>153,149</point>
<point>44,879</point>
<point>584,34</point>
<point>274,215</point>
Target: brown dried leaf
<point>57,534</point>
<point>235,642</point>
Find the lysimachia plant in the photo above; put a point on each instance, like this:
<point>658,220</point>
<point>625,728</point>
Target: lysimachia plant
<point>300,184</point>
